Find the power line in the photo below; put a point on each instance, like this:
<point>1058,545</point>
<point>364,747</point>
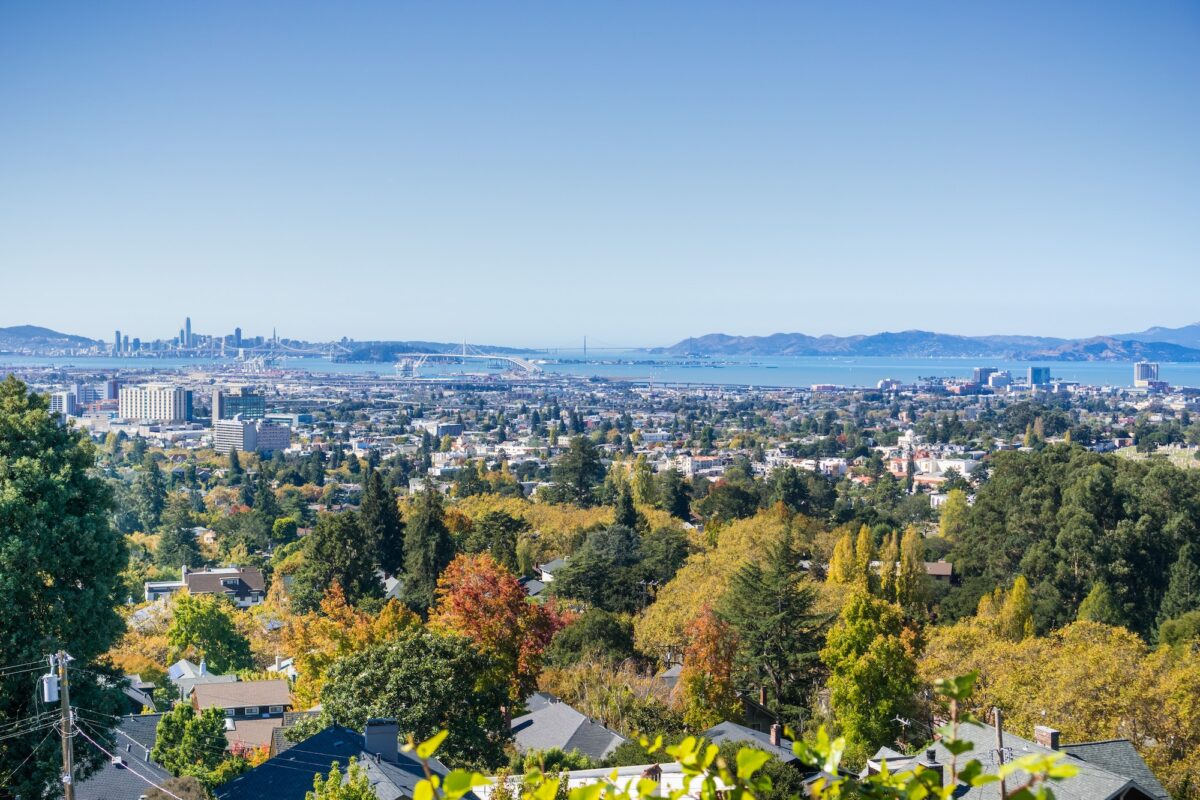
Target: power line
<point>36,747</point>
<point>161,788</point>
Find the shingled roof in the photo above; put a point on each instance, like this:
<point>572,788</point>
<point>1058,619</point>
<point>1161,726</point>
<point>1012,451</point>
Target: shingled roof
<point>242,694</point>
<point>553,723</point>
<point>134,739</point>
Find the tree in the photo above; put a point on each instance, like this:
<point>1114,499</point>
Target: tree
<point>381,523</point>
<point>482,601</point>
<point>177,544</point>
<point>577,472</point>
<point>864,555</point>
<point>623,511</point>
<point>1183,585</point>
<point>842,567</point>
<point>912,581</point>
<point>953,515</point>
<point>770,606</point>
<point>355,785</point>
<point>60,578</point>
<point>889,558</point>
<point>495,533</point>
<point>187,743</point>
<point>605,571</point>
<point>428,683</point>
<point>709,696</point>
<point>150,495</point>
<point>337,551</point>
<point>594,635</point>
<point>674,495</point>
<point>428,549</point>
<point>1098,606</point>
<point>873,674</point>
<point>235,472</point>
<point>205,624</point>
<point>1016,614</point>
<point>788,487</point>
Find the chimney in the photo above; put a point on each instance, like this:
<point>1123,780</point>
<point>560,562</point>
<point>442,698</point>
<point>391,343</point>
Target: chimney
<point>203,667</point>
<point>777,735</point>
<point>1046,737</point>
<point>381,737</point>
<point>930,762</point>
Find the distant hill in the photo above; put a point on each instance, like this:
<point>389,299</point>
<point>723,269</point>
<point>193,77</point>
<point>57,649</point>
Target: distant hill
<point>1188,335</point>
<point>926,344</point>
<point>27,335</point>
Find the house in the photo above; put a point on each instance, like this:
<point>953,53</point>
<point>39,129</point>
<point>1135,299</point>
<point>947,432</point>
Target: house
<point>772,742</point>
<point>546,571</point>
<point>285,667</point>
<point>124,774</point>
<point>1110,770</point>
<point>253,709</point>
<point>186,676</point>
<point>289,775</point>
<point>244,586</point>
<point>552,723</point>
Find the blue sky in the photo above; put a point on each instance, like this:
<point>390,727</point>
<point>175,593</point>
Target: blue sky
<point>531,173</point>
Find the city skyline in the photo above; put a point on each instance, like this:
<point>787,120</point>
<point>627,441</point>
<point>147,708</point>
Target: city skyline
<point>632,174</point>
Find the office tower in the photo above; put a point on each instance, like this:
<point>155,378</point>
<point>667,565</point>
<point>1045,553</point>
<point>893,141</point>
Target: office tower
<point>981,374</point>
<point>125,343</point>
<point>112,389</point>
<point>187,328</point>
<point>137,344</point>
<point>237,337</point>
<point>238,401</point>
<point>1144,373</point>
<point>154,402</point>
<point>1039,376</point>
<point>117,343</point>
<point>63,403</point>
<point>999,380</point>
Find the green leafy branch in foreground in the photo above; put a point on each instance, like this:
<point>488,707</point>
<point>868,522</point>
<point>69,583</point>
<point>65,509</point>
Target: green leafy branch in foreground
<point>708,776</point>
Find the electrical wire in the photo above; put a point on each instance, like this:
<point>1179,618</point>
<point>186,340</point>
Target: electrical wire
<point>160,787</point>
<point>36,747</point>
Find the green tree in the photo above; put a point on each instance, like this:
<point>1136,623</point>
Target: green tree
<point>337,551</point>
<point>889,559</point>
<point>495,533</point>
<point>60,578</point>
<point>205,623</point>
<point>234,473</point>
<point>1099,606</point>
<point>1015,620</point>
<point>912,581</point>
<point>623,511</point>
<point>596,635</point>
<point>150,495</point>
<point>873,675</point>
<point>952,517</point>
<point>674,494</point>
<point>187,743</point>
<point>177,544</point>
<point>1183,585</point>
<point>577,473</point>
<point>428,549</point>
<point>605,571</point>
<point>788,487</point>
<point>381,522</point>
<point>428,683</point>
<point>771,608</point>
<point>355,785</point>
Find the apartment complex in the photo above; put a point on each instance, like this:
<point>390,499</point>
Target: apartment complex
<point>249,436</point>
<point>155,402</point>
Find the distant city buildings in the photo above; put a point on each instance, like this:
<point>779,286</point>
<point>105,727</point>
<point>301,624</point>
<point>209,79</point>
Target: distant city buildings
<point>239,400</point>
<point>249,436</point>
<point>1039,376</point>
<point>980,375</point>
<point>155,403</point>
<point>1145,373</point>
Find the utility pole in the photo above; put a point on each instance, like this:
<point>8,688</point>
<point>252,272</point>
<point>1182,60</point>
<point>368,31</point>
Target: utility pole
<point>64,696</point>
<point>998,716</point>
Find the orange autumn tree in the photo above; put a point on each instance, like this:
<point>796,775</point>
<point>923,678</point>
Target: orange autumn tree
<point>707,675</point>
<point>481,600</point>
<point>319,638</point>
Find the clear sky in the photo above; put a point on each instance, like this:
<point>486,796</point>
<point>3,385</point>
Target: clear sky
<point>637,172</point>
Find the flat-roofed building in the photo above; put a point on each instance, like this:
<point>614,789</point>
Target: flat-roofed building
<point>249,436</point>
<point>155,402</point>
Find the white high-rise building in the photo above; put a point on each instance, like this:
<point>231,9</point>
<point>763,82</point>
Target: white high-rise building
<point>63,403</point>
<point>154,402</point>
<point>249,436</point>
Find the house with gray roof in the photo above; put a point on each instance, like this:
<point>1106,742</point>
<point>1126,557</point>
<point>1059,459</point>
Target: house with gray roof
<point>118,779</point>
<point>552,723</point>
<point>289,775</point>
<point>1107,770</point>
<point>772,742</point>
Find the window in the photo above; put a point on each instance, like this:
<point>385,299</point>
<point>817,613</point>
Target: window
<point>229,712</point>
<point>275,709</point>
<point>250,710</point>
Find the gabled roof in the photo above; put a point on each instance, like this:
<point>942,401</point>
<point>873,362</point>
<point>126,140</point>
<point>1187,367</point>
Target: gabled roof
<point>289,775</point>
<point>1094,781</point>
<point>733,732</point>
<point>553,723</point>
<point>242,694</point>
<point>242,580</point>
<point>1119,756</point>
<point>133,741</point>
